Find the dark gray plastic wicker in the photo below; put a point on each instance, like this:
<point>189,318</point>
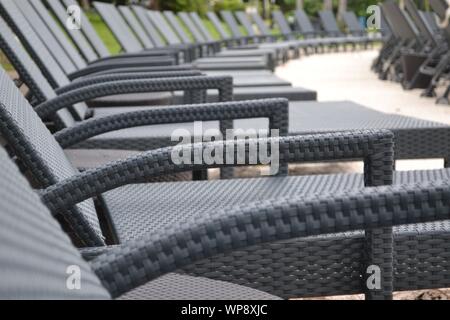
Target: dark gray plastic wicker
<point>141,16</point>
<point>331,27</point>
<point>43,56</point>
<point>42,53</point>
<point>35,256</point>
<point>33,268</point>
<point>374,147</point>
<point>86,27</point>
<point>412,135</point>
<point>79,37</point>
<point>30,135</point>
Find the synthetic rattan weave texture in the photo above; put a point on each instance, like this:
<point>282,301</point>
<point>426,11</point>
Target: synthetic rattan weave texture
<point>182,287</point>
<point>34,252</point>
<point>38,149</point>
<point>268,221</point>
<point>37,258</point>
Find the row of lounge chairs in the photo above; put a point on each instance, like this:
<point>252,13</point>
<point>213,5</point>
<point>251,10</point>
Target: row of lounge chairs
<point>416,54</point>
<point>92,136</point>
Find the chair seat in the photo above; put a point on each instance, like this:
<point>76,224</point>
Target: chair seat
<point>415,138</point>
<point>308,267</point>
<point>139,210</point>
<point>259,91</point>
<point>182,287</point>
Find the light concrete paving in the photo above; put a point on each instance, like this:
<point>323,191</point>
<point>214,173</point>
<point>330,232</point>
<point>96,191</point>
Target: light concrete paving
<point>347,76</point>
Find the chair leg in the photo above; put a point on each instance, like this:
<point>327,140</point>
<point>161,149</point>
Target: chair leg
<point>378,264</point>
<point>444,98</point>
<point>228,172</point>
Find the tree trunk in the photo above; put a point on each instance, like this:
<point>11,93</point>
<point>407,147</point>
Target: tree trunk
<point>327,4</point>
<point>86,4</point>
<point>153,4</point>
<point>300,4</point>
<point>342,8</point>
<point>265,9</point>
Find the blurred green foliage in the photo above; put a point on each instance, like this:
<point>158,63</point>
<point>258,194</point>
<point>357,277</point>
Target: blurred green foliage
<point>200,6</point>
<point>232,5</point>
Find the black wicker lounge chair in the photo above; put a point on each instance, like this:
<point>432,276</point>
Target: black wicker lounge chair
<point>91,88</point>
<point>307,31</point>
<point>33,268</point>
<point>341,258</point>
<point>89,43</point>
<point>293,47</point>
<point>69,61</point>
<point>332,29</point>
<point>27,10</point>
<point>419,58</point>
<point>234,55</point>
<point>406,36</point>
<point>355,28</point>
<point>35,256</point>
<point>140,24</point>
<point>110,15</point>
<point>246,84</point>
<point>304,117</point>
<point>282,51</point>
<point>442,69</point>
<point>194,29</point>
<point>37,14</point>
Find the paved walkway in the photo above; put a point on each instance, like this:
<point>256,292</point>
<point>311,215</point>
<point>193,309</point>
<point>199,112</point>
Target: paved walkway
<point>347,76</point>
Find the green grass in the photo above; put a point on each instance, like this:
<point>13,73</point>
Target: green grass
<point>104,33</point>
<point>211,29</point>
<point>214,32</point>
<point>5,63</point>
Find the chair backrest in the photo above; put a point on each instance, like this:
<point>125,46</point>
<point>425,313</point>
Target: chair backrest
<point>231,22</point>
<point>46,37</point>
<point>212,16</point>
<point>119,27</point>
<point>195,32</point>
<point>431,18</point>
<point>262,26</point>
<point>329,22</point>
<point>439,7</point>
<point>16,20</point>
<point>419,21</point>
<point>58,32</point>
<point>400,24</point>
<point>303,22</point>
<point>176,25</point>
<point>37,49</point>
<point>142,16</point>
<point>29,72</point>
<point>246,23</point>
<point>36,257</point>
<point>385,28</point>
<point>33,144</point>
<point>78,36</point>
<point>136,26</point>
<point>163,27</point>
<point>89,31</point>
<point>201,26</point>
<point>282,23</point>
<point>352,23</point>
